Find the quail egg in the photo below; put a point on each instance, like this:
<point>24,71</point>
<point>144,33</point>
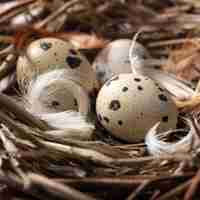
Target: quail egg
<point>128,105</point>
<point>48,54</point>
<point>114,59</point>
<point>53,92</point>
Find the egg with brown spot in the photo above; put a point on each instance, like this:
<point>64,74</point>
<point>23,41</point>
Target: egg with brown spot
<point>114,59</point>
<point>48,54</point>
<point>129,105</point>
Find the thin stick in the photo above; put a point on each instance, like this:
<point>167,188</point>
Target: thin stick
<point>133,161</point>
<point>6,39</point>
<point>9,104</point>
<point>196,126</point>
<point>177,190</point>
<point>193,187</point>
<point>122,182</point>
<point>8,50</point>
<point>172,42</point>
<point>58,189</point>
<point>21,130</point>
<point>7,66</point>
<point>80,153</point>
<point>15,5</point>
<point>56,14</point>
<point>139,190</point>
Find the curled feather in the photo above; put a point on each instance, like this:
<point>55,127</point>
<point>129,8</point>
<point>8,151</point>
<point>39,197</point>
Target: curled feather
<point>158,147</point>
<point>68,124</point>
<point>145,67</point>
<point>51,97</point>
<point>176,87</point>
<point>54,91</point>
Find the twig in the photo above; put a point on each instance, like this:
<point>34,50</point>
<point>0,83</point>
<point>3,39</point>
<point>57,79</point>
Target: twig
<point>15,5</point>
<point>7,66</point>
<point>122,181</point>
<point>12,12</point>
<point>9,104</point>
<point>139,190</point>
<point>193,186</point>
<point>85,154</point>
<point>58,189</point>
<point>50,186</point>
<point>173,42</point>
<point>133,161</point>
<point>6,39</point>
<point>196,126</point>
<point>177,190</point>
<point>190,104</point>
<point>13,153</point>
<point>19,128</point>
<point>102,182</point>
<point>155,195</point>
<point>55,14</point>
<point>8,50</point>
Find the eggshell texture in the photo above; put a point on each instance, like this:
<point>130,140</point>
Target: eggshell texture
<point>54,98</point>
<point>129,105</point>
<point>51,53</point>
<point>114,59</point>
<point>52,92</point>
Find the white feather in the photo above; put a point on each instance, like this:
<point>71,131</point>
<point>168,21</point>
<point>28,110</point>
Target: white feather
<point>175,86</point>
<point>60,81</point>
<point>157,147</point>
<point>68,124</point>
<point>144,67</point>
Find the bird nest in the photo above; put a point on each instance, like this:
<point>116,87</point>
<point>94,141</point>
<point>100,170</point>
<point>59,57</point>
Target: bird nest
<point>37,163</point>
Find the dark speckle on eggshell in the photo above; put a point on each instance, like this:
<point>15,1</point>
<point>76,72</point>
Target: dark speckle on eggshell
<point>124,89</point>
<point>140,87</point>
<point>55,103</point>
<point>137,79</point>
<point>120,122</point>
<point>75,102</point>
<point>106,119</point>
<point>157,67</point>
<point>73,62</point>
<point>45,45</point>
<point>162,97</point>
<point>72,51</point>
<point>161,89</point>
<point>114,105</point>
<point>165,119</point>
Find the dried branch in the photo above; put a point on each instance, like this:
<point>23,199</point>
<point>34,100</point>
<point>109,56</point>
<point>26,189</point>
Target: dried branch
<point>177,190</point>
<point>58,189</point>
<point>9,104</point>
<point>193,186</point>
<point>57,13</point>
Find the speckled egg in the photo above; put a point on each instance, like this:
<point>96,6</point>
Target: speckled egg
<point>114,59</point>
<point>129,105</point>
<point>52,92</point>
<point>51,53</point>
